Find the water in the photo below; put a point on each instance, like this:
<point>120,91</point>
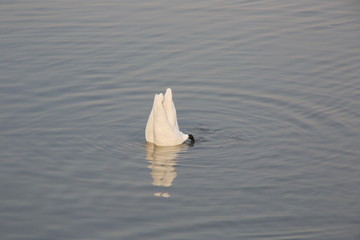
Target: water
<point>270,90</point>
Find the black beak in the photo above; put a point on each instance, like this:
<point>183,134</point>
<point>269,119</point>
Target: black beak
<point>192,139</point>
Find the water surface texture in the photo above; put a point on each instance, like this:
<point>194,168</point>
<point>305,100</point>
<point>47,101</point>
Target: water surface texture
<point>270,90</point>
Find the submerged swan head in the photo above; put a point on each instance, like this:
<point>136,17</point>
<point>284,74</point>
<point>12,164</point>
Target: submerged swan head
<point>162,127</point>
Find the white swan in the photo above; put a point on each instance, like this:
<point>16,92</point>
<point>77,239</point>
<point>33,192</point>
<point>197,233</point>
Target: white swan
<point>162,128</point>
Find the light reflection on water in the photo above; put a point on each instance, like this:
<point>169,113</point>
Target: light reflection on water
<point>163,164</point>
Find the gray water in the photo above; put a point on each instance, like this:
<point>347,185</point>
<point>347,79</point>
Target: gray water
<point>270,90</point>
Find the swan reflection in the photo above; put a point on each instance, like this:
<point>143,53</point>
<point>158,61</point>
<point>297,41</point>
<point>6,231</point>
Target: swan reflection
<point>162,164</point>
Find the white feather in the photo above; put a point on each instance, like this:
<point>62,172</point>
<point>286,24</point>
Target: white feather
<point>162,128</point>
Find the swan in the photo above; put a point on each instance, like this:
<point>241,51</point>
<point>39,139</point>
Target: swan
<point>162,128</point>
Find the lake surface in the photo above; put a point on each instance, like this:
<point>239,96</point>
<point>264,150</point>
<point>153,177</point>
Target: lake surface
<point>269,89</point>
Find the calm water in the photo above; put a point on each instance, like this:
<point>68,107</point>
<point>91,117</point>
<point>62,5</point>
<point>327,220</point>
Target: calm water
<point>270,90</point>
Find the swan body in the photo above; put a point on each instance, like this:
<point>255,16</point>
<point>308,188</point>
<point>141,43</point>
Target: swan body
<point>162,128</point>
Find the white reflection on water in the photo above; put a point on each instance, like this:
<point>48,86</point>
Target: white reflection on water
<point>162,164</point>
